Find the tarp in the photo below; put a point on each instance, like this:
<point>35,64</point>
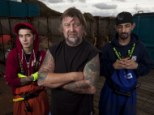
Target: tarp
<point>18,9</point>
<point>144,29</point>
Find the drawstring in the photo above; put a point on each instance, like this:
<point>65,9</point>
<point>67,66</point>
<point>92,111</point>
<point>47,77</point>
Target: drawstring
<point>22,55</point>
<point>34,63</point>
<point>20,62</point>
<point>34,56</point>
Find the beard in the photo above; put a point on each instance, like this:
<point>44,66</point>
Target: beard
<point>124,36</point>
<point>73,41</point>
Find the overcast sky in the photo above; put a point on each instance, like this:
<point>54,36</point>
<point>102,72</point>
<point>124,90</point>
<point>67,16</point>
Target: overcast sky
<point>102,8</point>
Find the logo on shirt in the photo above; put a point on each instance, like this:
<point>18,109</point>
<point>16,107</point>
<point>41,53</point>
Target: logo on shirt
<point>134,58</point>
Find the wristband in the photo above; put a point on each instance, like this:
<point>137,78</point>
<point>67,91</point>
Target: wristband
<point>35,76</point>
<point>21,75</point>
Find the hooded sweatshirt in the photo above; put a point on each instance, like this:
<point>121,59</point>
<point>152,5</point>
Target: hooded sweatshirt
<point>16,63</point>
<point>108,57</point>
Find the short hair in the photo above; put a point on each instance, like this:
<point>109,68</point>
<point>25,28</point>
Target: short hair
<point>73,12</point>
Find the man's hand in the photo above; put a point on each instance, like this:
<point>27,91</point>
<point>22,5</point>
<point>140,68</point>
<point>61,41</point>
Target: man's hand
<point>25,79</point>
<point>131,64</point>
<point>35,76</point>
<point>54,80</point>
<point>125,63</point>
<point>21,75</point>
<point>120,63</point>
<point>86,85</point>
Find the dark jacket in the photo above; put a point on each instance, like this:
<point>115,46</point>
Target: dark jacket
<point>108,57</point>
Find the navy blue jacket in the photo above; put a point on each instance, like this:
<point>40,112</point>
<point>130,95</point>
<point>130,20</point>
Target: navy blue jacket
<point>108,57</point>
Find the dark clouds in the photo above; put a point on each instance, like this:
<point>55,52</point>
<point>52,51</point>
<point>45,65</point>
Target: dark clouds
<point>62,1</point>
<point>83,1</point>
<point>54,1</point>
<point>105,6</point>
<point>102,7</point>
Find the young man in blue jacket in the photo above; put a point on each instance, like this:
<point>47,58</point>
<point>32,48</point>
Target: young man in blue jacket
<point>123,60</point>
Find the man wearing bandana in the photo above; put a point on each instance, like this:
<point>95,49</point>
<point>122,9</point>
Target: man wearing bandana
<point>122,60</point>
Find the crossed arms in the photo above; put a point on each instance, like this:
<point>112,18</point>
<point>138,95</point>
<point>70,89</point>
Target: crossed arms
<point>78,82</point>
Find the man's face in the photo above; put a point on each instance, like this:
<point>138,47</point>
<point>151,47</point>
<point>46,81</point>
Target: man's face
<point>124,30</point>
<point>26,38</point>
<point>73,30</point>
